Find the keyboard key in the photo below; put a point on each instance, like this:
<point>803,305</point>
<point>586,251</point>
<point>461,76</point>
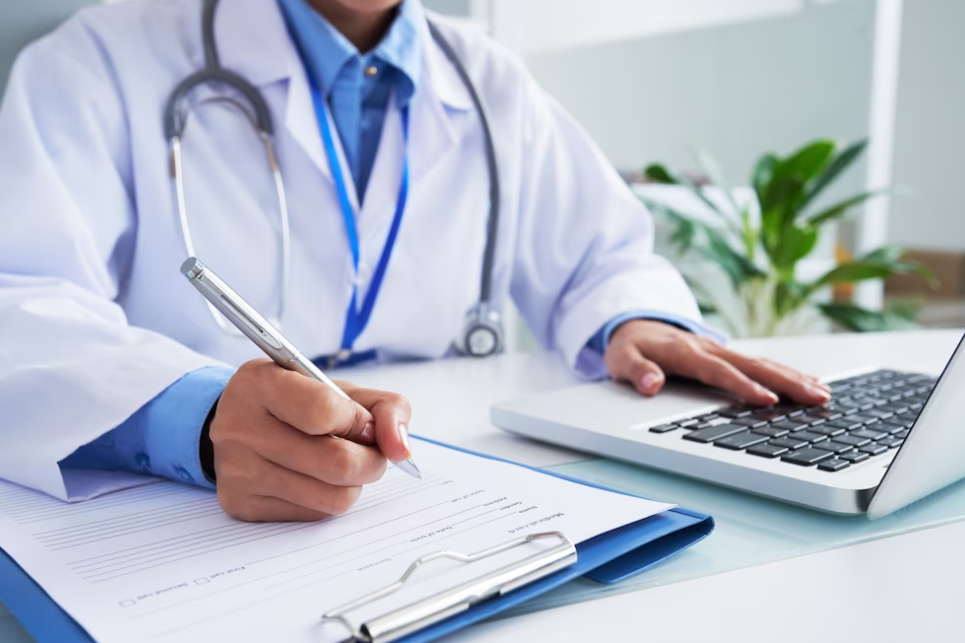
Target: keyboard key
<point>891,443</point>
<point>769,414</point>
<point>771,431</point>
<point>851,440</point>
<point>854,456</point>
<point>767,450</point>
<point>824,414</point>
<point>689,423</point>
<point>845,423</point>
<point>834,464</point>
<point>740,441</point>
<point>806,457</point>
<point>873,449</point>
<point>712,433</point>
<point>812,420</point>
<point>897,409</point>
<point>788,425</point>
<point>788,443</point>
<point>664,428</point>
<point>735,412</point>
<point>867,433</point>
<point>833,447</point>
<point>714,422</point>
<point>829,429</point>
<point>750,422</point>
<point>892,427</point>
<point>880,413</point>
<point>864,419</point>
<point>707,418</point>
<point>902,434</point>
<point>809,436</point>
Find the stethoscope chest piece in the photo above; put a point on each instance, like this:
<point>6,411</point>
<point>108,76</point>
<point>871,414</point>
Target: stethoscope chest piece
<point>482,333</point>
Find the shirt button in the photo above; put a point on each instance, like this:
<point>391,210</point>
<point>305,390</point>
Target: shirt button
<point>371,70</point>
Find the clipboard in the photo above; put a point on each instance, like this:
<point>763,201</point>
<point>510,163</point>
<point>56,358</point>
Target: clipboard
<point>607,558</point>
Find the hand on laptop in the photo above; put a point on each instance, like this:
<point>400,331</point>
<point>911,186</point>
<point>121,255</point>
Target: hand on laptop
<point>642,352</point>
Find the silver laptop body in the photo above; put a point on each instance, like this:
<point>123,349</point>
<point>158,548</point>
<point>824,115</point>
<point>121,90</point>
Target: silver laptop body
<point>612,420</point>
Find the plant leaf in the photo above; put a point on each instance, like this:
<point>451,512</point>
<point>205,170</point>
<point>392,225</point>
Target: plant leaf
<point>690,234</point>
<point>788,297</point>
<point>841,208</point>
<point>794,244</point>
<point>862,320</point>
<point>785,190</point>
<point>660,174</point>
<point>763,172</point>
<point>840,163</point>
<point>879,264</point>
<point>739,268</point>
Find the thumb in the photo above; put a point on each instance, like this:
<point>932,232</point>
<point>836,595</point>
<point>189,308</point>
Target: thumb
<point>630,365</point>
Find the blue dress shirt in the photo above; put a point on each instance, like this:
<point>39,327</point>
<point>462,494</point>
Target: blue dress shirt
<point>162,437</point>
<point>357,86</point>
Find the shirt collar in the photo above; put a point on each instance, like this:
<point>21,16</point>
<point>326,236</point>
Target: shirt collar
<point>325,51</point>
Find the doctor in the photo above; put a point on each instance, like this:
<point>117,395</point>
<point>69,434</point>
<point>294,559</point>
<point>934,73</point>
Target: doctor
<point>109,360</point>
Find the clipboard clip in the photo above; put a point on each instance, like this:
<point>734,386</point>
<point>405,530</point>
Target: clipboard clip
<point>428,611</point>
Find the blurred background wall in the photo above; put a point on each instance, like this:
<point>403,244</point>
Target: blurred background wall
<point>651,80</point>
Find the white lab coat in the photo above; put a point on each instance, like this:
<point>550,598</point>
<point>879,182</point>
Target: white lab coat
<point>95,318</point>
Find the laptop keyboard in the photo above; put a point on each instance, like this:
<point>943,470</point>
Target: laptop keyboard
<point>868,416</point>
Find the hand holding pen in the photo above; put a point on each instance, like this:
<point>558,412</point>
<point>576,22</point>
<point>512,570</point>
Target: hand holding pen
<point>272,432</point>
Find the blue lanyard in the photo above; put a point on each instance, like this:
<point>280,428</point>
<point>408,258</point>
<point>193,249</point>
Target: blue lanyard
<point>356,319</point>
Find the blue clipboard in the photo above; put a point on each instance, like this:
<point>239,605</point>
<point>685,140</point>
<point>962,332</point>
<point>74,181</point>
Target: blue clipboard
<point>607,558</point>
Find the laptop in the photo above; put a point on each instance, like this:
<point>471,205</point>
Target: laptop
<point>886,439</point>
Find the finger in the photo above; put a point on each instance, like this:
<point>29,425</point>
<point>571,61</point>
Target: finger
<point>777,378</point>
<point>629,364</point>
<point>717,372</point>
<point>392,413</point>
<point>305,491</point>
<point>267,509</point>
<point>314,407</point>
<point>337,462</point>
<point>814,379</point>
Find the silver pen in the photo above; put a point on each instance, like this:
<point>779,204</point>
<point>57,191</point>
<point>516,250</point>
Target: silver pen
<point>263,334</point>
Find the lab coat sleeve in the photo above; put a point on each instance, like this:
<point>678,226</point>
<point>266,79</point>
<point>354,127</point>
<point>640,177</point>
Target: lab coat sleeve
<point>162,437</point>
<point>585,243</point>
<point>71,367</point>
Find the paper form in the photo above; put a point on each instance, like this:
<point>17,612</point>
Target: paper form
<point>163,562</point>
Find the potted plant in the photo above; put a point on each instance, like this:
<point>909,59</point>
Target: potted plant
<point>760,241</point>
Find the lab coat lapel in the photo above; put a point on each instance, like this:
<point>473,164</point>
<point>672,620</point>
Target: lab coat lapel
<point>254,42</point>
<point>438,102</point>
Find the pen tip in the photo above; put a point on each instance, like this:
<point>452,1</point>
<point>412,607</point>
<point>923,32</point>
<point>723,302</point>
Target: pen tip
<point>410,467</point>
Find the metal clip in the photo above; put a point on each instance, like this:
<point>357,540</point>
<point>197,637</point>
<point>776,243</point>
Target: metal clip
<point>426,612</point>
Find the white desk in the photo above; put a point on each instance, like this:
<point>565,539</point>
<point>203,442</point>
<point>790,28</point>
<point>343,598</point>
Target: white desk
<point>899,589</point>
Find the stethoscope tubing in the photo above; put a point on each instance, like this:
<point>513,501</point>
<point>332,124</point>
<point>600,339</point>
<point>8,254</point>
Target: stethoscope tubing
<point>259,115</point>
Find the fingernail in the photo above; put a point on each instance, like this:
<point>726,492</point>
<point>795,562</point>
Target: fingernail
<point>819,392</point>
<point>404,436</point>
<point>649,381</point>
<point>368,430</point>
<point>770,395</point>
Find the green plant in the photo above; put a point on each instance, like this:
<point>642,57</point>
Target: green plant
<point>760,255</point>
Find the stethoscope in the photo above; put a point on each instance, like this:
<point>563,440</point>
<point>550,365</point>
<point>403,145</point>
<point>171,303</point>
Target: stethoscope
<point>482,332</point>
